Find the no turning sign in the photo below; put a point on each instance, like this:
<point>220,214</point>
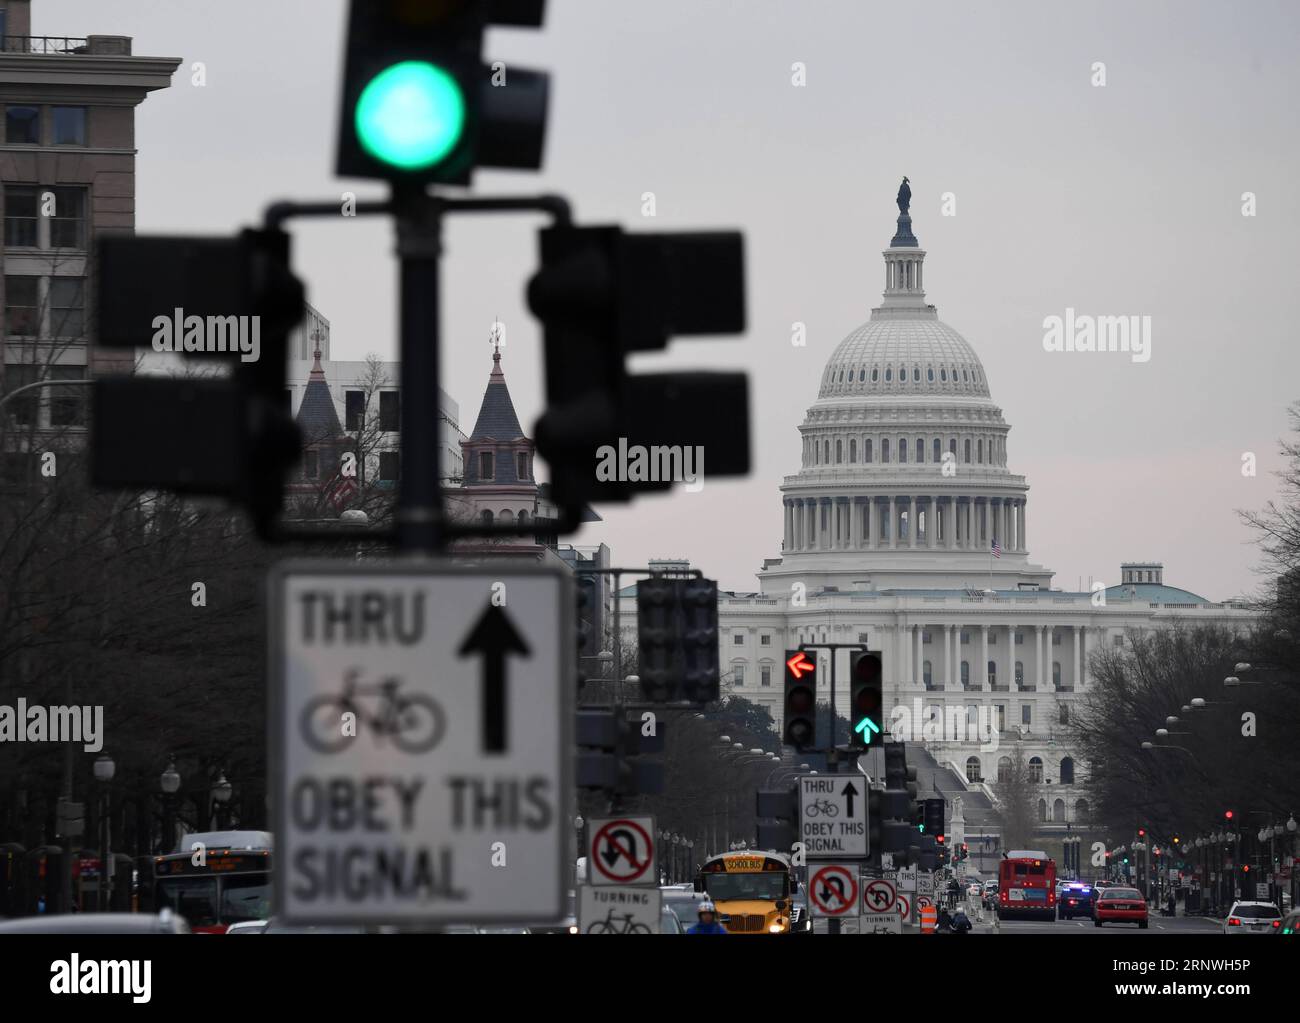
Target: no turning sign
<point>879,895</point>
<point>833,889</point>
<point>622,850</point>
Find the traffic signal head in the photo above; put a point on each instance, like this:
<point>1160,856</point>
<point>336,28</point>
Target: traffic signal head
<point>1227,815</point>
<point>934,814</point>
<point>800,723</point>
<point>677,632</point>
<point>865,700</point>
<point>1142,832</point>
<point>419,102</point>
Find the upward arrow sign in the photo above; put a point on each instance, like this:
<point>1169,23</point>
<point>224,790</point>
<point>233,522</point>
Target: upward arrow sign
<point>849,792</point>
<point>494,637</point>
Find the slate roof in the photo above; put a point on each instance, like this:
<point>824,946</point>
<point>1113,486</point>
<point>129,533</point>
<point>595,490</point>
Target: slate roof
<point>317,417</point>
<point>496,416</point>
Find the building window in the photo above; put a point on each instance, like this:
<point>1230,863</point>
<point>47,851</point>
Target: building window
<point>1064,717</point>
<point>920,450</point>
<point>1004,769</point>
<point>967,459</point>
<point>826,453</point>
<point>926,675</point>
<point>875,374</point>
<point>936,449</point>
<point>738,639</point>
<point>1035,769</point>
<point>1067,771</point>
<point>389,466</point>
<point>965,673</point>
<point>1020,638</point>
<point>1117,639</point>
<point>862,637</point>
<point>902,450</point>
<point>1056,674</point>
<point>889,374</point>
<point>929,374</point>
<point>979,449</point>
<point>738,672</point>
<point>765,675</point>
<point>853,450</point>
<point>354,410</point>
<point>965,638</point>
<point>310,465</point>
<point>765,640</point>
<point>1056,638</point>
<point>993,673</point>
<point>1026,714</point>
<point>390,411</point>
<point>973,769</point>
<point>866,450</point>
<point>21,215</point>
<point>485,465</point>
<point>839,451</point>
<point>67,405</point>
<point>884,450</point>
<point>521,466</point>
<point>23,126</point>
<point>69,126</point>
<point>22,306</point>
<point>1020,673</point>
<point>486,517</point>
<point>21,410</point>
<point>67,306</point>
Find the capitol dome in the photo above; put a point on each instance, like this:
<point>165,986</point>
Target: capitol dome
<point>916,355</point>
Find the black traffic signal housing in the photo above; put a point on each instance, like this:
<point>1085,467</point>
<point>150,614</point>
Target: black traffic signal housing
<point>799,724</point>
<point>778,815</point>
<point>419,103</point>
<point>677,633</point>
<point>866,704</point>
<point>600,294</point>
<point>615,754</point>
<point>222,436</point>
<point>933,812</point>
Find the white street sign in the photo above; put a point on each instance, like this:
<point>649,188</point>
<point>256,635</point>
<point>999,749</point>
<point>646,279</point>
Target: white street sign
<point>881,923</point>
<point>833,889</point>
<point>420,740</point>
<point>925,884</point>
<point>619,909</point>
<point>879,896</point>
<point>622,851</point>
<point>833,816</point>
<point>907,879</point>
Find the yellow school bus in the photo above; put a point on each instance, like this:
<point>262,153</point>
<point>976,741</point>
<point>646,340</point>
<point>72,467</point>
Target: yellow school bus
<point>753,891</point>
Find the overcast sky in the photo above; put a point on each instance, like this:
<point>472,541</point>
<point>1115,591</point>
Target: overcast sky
<point>1117,200</point>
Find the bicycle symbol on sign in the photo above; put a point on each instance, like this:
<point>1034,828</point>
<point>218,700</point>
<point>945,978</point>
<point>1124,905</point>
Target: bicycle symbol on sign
<point>413,721</point>
<point>822,807</point>
<point>608,925</point>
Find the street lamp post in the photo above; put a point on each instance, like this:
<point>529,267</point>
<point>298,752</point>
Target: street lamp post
<point>221,793</point>
<point>169,782</point>
<point>104,770</point>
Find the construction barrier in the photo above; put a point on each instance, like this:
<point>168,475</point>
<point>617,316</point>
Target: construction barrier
<point>929,920</point>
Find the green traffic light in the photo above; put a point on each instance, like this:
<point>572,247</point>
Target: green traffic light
<point>410,115</point>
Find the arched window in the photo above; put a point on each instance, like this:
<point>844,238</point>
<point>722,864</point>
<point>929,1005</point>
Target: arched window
<point>1067,771</point>
<point>965,673</point>
<point>967,459</point>
<point>1036,770</point>
<point>1056,674</point>
<point>952,447</point>
<point>929,374</point>
<point>980,450</point>
<point>920,450</point>
<point>884,450</point>
<point>1042,809</point>
<point>862,374</point>
<point>993,673</point>
<point>1020,673</point>
<point>973,769</point>
<point>827,453</point>
<point>1064,716</point>
<point>925,674</point>
<point>875,374</point>
<point>839,451</point>
<point>902,449</point>
<point>916,374</point>
<point>889,374</point>
<point>936,449</point>
<point>523,518</point>
<point>505,516</point>
<point>486,517</point>
<point>866,450</point>
<point>902,374</point>
<point>943,375</point>
<point>853,449</point>
<point>1058,812</point>
<point>965,379</point>
<point>841,379</point>
<point>1004,769</point>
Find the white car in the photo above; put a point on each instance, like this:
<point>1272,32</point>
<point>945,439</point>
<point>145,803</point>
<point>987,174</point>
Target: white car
<point>974,890</point>
<point>1253,918</point>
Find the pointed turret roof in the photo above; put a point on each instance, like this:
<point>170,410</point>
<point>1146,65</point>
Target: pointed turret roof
<point>317,417</point>
<point>496,416</point>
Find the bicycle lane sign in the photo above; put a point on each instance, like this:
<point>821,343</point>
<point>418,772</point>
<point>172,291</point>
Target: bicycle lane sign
<point>622,850</point>
<point>420,742</point>
<point>833,816</point>
<point>619,909</point>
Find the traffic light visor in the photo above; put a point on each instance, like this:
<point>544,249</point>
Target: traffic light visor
<point>411,115</point>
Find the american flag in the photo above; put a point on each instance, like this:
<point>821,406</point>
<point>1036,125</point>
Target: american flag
<point>997,550</point>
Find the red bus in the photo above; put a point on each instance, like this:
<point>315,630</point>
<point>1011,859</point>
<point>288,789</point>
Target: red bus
<point>225,881</point>
<point>1026,885</point>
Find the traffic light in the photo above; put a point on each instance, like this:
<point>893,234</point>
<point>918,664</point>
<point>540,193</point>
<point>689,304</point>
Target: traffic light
<point>234,299</point>
<point>800,721</point>
<point>933,810</point>
<point>600,294</point>
<point>965,852</point>
<point>613,754</point>
<point>1227,815</point>
<point>677,633</point>
<point>865,702</point>
<point>1142,832</point>
<point>781,810</point>
<point>420,104</point>
<point>898,806</point>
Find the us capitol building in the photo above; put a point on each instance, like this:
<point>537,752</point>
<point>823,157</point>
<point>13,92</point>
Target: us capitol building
<point>890,521</point>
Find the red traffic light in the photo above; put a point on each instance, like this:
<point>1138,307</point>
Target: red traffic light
<point>1142,832</point>
<point>1227,815</point>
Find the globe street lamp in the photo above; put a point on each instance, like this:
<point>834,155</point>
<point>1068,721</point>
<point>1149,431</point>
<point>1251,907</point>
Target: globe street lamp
<point>104,769</point>
<point>221,793</point>
<point>170,783</point>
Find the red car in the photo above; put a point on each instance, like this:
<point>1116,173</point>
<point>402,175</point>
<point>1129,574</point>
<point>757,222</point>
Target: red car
<point>1120,905</point>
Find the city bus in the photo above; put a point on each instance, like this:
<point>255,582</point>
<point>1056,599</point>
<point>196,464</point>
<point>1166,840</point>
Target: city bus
<point>752,890</point>
<point>1026,885</point>
<point>226,880</point>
